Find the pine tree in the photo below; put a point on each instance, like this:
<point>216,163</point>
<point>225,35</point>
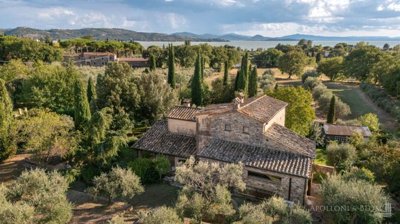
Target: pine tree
<point>152,61</point>
<point>243,80</point>
<point>253,83</point>
<point>331,118</point>
<point>226,74</point>
<point>171,66</point>
<point>82,110</point>
<point>6,119</point>
<point>197,84</point>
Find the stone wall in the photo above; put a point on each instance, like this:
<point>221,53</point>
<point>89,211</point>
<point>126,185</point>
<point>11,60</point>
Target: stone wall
<point>298,186</point>
<point>279,118</point>
<point>253,134</point>
<point>181,126</point>
<point>280,188</point>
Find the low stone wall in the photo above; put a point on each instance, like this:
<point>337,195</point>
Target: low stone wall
<point>324,169</point>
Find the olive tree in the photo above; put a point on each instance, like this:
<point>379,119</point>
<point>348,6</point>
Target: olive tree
<point>161,215</point>
<point>341,156</point>
<point>36,197</point>
<point>206,187</point>
<point>118,183</point>
<point>360,201</point>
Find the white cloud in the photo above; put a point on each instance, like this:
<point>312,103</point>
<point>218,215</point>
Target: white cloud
<point>323,11</point>
<point>390,5</point>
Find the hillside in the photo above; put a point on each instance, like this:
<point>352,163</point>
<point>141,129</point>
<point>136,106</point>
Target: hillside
<point>102,34</point>
<point>123,34</point>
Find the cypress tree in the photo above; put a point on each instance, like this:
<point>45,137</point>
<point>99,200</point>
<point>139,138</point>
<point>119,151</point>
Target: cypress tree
<point>226,74</point>
<point>203,66</point>
<point>152,60</point>
<point>237,81</point>
<point>197,84</point>
<point>6,119</point>
<point>91,95</point>
<point>331,118</point>
<point>82,110</point>
<point>253,82</point>
<point>243,80</point>
<point>171,66</point>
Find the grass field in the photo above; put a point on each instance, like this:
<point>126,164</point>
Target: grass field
<point>351,96</point>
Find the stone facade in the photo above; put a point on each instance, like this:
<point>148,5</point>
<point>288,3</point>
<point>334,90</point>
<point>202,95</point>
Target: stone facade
<point>182,127</point>
<point>276,160</point>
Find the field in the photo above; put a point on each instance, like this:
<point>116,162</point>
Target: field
<point>351,95</point>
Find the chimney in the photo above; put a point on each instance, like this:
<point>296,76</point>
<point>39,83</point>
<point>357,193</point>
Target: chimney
<point>237,101</point>
<point>186,102</point>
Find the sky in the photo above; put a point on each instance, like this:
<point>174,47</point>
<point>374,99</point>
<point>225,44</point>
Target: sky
<point>271,18</point>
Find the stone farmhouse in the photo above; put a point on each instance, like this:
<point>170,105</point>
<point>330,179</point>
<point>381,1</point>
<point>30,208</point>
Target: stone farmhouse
<point>277,161</point>
<point>98,59</point>
<point>342,133</point>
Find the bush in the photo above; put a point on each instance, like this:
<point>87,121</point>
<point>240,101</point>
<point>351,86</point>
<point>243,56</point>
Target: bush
<point>382,99</point>
<point>342,109</point>
<point>341,156</point>
<point>365,200</point>
<point>319,90</point>
<point>36,197</point>
<point>311,73</point>
<point>150,170</point>
<point>356,173</point>
<point>311,82</point>
<point>267,81</point>
<point>118,183</point>
<point>161,215</point>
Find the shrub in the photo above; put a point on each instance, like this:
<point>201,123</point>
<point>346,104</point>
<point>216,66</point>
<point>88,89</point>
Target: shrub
<point>356,173</point>
<point>370,120</point>
<point>36,197</point>
<point>365,200</point>
<point>311,82</point>
<point>150,170</point>
<point>311,73</point>
<point>118,183</point>
<point>319,90</point>
<point>382,99</point>
<point>161,215</point>
<point>341,156</point>
<point>267,81</point>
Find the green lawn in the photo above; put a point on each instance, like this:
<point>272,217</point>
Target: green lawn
<point>321,157</point>
<point>351,96</point>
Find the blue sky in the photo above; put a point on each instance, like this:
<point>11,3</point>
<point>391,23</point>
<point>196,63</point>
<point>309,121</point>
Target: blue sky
<point>250,17</point>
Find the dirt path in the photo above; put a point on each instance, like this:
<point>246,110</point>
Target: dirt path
<point>11,168</point>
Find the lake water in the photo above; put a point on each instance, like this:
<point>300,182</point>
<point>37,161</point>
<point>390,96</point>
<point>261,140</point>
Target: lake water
<point>264,44</point>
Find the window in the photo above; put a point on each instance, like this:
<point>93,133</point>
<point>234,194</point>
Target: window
<point>245,130</point>
<point>263,176</point>
<point>228,127</point>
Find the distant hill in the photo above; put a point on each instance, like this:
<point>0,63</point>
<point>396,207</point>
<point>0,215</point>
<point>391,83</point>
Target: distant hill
<point>123,34</point>
<point>348,38</point>
<point>101,34</point>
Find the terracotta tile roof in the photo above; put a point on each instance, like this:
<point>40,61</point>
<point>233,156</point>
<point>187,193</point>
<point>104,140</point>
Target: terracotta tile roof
<point>262,108</point>
<point>97,54</point>
<point>133,59</point>
<point>346,130</point>
<point>284,139</point>
<point>159,140</point>
<point>258,157</point>
<point>183,113</point>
